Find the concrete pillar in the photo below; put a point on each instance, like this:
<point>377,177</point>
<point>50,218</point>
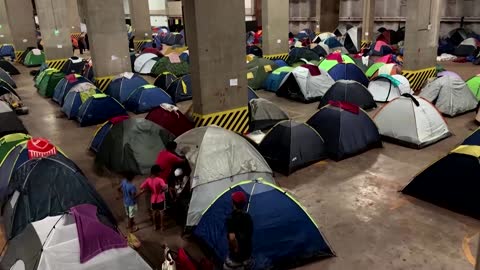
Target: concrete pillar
<point>421,36</point>
<point>140,16</point>
<point>73,16</point>
<point>258,12</point>
<point>218,69</point>
<point>368,19</point>
<point>5,33</point>
<point>22,23</point>
<point>275,20</point>
<point>55,29</point>
<point>329,15</point>
<point>108,37</point>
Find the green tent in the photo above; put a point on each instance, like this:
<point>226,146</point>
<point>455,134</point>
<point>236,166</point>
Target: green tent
<point>164,65</point>
<point>8,142</point>
<point>42,74</point>
<point>327,64</point>
<point>373,69</point>
<point>474,85</point>
<point>34,58</point>
<point>132,146</point>
<point>48,82</point>
<point>258,70</point>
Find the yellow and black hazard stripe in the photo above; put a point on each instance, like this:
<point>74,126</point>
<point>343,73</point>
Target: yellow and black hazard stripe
<point>57,63</point>
<point>280,56</point>
<point>140,43</point>
<point>418,77</point>
<point>103,82</point>
<point>365,44</point>
<point>75,35</point>
<point>18,55</point>
<point>235,120</point>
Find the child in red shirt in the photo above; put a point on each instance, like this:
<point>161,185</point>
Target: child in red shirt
<point>157,186</point>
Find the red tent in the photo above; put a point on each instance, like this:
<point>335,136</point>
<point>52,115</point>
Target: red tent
<point>387,59</point>
<point>170,118</point>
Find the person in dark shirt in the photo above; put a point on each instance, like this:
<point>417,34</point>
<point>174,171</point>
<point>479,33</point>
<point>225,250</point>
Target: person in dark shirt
<point>240,231</point>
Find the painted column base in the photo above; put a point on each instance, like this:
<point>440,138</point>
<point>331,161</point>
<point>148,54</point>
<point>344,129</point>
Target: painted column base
<point>103,82</point>
<point>236,120</point>
<point>141,44</point>
<point>281,56</point>
<point>57,63</point>
<point>417,78</point>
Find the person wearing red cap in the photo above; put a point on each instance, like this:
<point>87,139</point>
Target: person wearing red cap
<point>240,231</point>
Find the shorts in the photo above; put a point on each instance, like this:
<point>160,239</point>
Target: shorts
<point>131,211</point>
<point>158,206</point>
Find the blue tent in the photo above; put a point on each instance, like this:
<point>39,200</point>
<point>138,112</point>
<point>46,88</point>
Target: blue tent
<point>348,71</point>
<point>332,42</point>
<point>145,98</point>
<point>64,86</point>
<point>100,135</point>
<point>7,50</point>
<point>98,109</point>
<point>274,79</point>
<point>346,129</point>
<point>121,87</point>
<point>75,98</point>
<point>473,139</point>
<point>280,63</point>
<point>283,233</point>
<point>181,89</point>
<point>185,57</point>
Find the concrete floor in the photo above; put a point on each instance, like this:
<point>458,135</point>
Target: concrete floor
<point>355,202</point>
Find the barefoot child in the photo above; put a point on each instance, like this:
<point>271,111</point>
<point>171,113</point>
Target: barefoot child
<point>156,185</point>
<point>129,200</point>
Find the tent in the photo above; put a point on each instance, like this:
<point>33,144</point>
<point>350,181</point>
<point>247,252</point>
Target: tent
<point>291,145</point>
<point>334,44</point>
<point>323,36</point>
<point>145,62</point>
<point>351,92</point>
<point>274,79</point>
<point>145,98</point>
<point>164,80</point>
<point>47,85</point>
<point>76,238</point>
<point>456,36</point>
<point>7,78</point>
<point>450,95</point>
<point>258,70</point>
<point>306,33</point>
<point>385,88</point>
<point>420,123</point>
<point>64,86</point>
<point>76,97</point>
<point>452,182</point>
<point>448,73</point>
<point>8,95</point>
<point>8,67</point>
<point>98,109</point>
<point>22,149</point>
<point>319,49</point>
<point>54,179</point>
<point>347,71</point>
<point>4,107</point>
<point>11,124</point>
<point>123,85</point>
<point>255,50</point>
<point>6,88</point>
<point>380,48</point>
<point>102,132</point>
<point>353,40</point>
<point>218,158</point>
<point>132,146</point>
<point>170,118</point>
<point>34,58</point>
<point>7,50</point>
<point>387,69</point>
<point>278,219</point>
<point>41,74</point>
<point>165,64</point>
<point>181,89</point>
<point>8,142</point>
<point>280,63</point>
<point>373,69</point>
<point>74,65</point>
<point>389,36</point>
<point>297,54</point>
<point>264,114</point>
<point>346,129</point>
<point>306,83</point>
<point>474,86</point>
<point>467,47</point>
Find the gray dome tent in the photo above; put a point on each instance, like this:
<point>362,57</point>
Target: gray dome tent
<point>219,159</point>
<point>264,114</point>
<point>450,95</point>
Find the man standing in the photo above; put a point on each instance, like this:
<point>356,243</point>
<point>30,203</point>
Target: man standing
<point>240,231</point>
